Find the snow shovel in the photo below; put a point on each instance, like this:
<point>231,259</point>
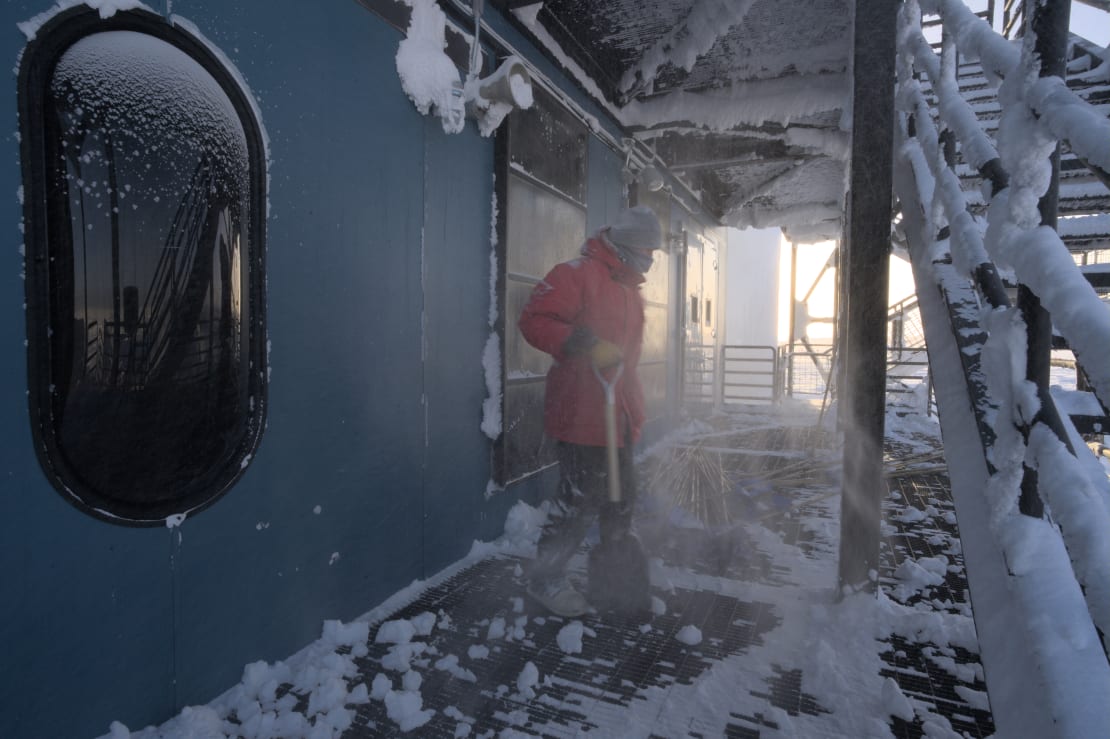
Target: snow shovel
<point>618,567</point>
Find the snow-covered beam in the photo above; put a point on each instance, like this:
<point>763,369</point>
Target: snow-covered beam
<point>681,166</point>
<point>707,21</point>
<point>750,103</point>
<point>814,233</point>
<point>794,215</point>
<point>738,200</point>
<point>1070,118</point>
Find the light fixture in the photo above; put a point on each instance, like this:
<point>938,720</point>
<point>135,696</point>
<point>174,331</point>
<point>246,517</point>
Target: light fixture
<point>509,84</point>
<point>492,98</point>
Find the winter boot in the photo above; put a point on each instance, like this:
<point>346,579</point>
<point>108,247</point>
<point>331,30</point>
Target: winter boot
<point>559,597</point>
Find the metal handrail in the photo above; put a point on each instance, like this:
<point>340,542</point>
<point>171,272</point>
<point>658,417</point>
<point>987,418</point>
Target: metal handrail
<point>969,249</point>
<point>931,179</point>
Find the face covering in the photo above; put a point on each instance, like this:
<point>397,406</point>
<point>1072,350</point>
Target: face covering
<point>638,259</point>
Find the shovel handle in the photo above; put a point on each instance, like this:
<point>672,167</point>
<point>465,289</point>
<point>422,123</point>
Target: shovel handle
<point>611,430</point>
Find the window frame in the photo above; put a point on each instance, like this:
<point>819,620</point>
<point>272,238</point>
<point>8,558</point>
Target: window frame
<point>510,160</point>
<point>39,60</point>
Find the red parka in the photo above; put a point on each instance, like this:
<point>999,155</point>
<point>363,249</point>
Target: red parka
<point>600,293</point>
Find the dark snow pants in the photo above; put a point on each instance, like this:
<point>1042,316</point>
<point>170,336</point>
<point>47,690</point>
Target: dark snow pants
<point>582,498</point>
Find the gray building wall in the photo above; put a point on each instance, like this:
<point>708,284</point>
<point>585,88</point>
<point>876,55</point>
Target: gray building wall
<point>378,242</point>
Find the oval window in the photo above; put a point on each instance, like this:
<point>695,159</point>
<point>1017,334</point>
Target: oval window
<point>143,199</point>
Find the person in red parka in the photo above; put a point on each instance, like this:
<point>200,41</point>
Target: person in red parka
<point>588,313</point>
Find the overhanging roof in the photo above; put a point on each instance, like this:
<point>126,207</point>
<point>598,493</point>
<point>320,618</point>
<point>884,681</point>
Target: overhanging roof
<point>743,99</point>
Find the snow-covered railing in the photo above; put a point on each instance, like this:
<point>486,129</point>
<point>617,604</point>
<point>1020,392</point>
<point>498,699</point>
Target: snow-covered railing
<point>978,149</point>
<point>1060,112</point>
<point>1036,254</point>
<point>960,252</point>
<point>1071,119</point>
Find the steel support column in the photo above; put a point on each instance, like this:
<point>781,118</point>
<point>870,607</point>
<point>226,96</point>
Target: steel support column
<point>1048,20</point>
<point>863,399</point>
<point>840,302</point>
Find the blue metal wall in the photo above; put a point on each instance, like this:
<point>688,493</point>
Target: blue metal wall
<point>378,272</point>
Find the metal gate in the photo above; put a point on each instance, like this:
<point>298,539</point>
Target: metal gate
<point>749,375</point>
<point>699,373</point>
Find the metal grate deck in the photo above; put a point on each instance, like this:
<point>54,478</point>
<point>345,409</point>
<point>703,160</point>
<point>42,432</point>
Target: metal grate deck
<point>580,690</point>
<point>627,667</point>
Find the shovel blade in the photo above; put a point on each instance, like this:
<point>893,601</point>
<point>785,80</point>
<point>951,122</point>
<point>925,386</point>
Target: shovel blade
<point>618,577</point>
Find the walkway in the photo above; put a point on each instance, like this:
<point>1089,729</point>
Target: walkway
<point>746,640</point>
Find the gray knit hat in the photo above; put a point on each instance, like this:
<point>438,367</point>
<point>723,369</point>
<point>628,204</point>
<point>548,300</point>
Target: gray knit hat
<point>638,228</point>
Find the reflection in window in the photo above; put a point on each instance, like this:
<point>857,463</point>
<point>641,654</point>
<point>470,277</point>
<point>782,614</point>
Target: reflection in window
<point>154,398</point>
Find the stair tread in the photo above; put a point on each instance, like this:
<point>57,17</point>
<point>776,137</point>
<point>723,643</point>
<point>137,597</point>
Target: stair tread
<point>1077,403</point>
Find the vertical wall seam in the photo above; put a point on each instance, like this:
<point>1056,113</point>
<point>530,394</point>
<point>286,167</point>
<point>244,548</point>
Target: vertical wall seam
<point>175,540</point>
<point>424,362</point>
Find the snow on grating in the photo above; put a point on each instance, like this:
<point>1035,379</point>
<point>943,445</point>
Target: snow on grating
<point>581,692</point>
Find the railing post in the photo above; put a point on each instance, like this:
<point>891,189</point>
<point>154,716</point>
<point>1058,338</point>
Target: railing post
<point>1011,18</point>
<point>793,318</point>
<point>868,254</point>
<point>722,373</point>
<point>1048,20</point>
<point>840,307</point>
<point>928,391</point>
<point>898,333</point>
<point>776,385</point>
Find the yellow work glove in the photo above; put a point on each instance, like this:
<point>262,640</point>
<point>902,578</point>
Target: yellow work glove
<point>605,354</point>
